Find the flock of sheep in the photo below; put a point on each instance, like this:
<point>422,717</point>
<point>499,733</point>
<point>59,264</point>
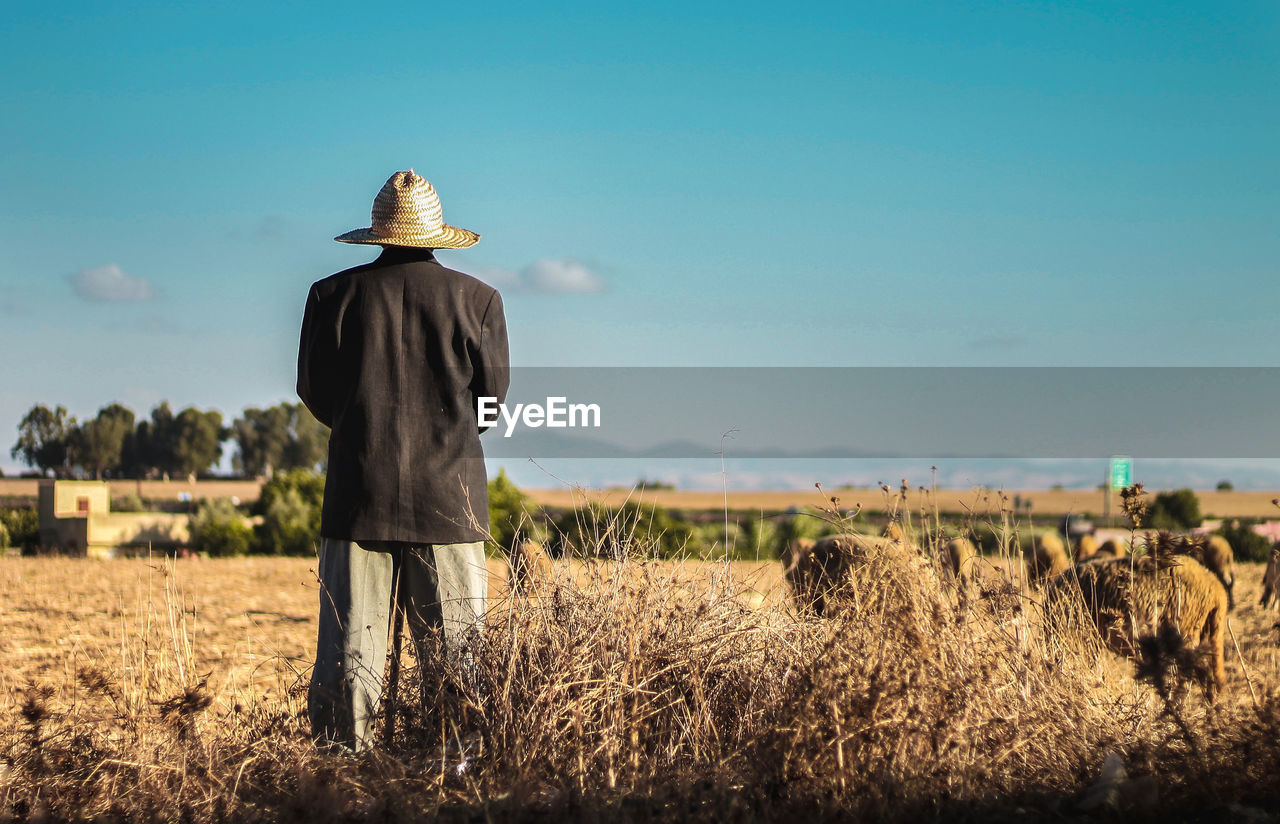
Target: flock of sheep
<point>1179,582</point>
<point>1185,583</point>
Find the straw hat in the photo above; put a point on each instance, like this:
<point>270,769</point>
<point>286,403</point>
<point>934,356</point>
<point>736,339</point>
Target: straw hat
<point>407,213</point>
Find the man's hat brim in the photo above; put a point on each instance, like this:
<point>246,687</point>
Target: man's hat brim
<point>446,237</point>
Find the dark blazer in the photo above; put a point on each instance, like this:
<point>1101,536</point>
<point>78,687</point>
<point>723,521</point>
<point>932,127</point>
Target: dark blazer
<point>392,357</point>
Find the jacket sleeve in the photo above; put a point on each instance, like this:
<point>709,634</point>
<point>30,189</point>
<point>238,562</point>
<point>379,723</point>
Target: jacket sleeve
<point>316,349</point>
<point>491,369</point>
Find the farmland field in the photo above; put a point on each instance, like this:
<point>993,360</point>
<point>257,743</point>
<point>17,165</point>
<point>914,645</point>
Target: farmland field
<point>1045,503</point>
<point>132,686</point>
<point>1213,503</point>
<point>249,621</point>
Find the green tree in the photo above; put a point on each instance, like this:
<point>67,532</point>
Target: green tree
<point>153,448</point>
<point>1225,486</point>
<point>261,436</point>
<point>1179,509</point>
<point>285,436</point>
<point>219,529</point>
<point>308,446</point>
<point>198,444</point>
<point>100,442</point>
<point>45,439</point>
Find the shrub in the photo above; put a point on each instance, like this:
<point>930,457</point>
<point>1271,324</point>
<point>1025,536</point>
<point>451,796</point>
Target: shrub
<point>309,485</point>
<point>1225,486</point>
<point>219,529</point>
<point>1246,545</point>
<point>289,526</point>
<point>620,532</point>
<point>759,537</point>
<point>130,502</point>
<point>22,527</point>
<point>509,516</point>
<point>1177,510</point>
<point>290,508</point>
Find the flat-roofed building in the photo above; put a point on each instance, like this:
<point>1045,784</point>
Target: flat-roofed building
<point>76,518</point>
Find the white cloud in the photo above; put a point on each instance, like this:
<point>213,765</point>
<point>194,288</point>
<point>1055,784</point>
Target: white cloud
<point>495,276</point>
<point>110,284</point>
<point>560,277</point>
<point>548,276</point>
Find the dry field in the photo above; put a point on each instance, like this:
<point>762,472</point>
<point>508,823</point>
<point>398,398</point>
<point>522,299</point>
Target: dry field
<point>1045,503</point>
<point>170,490</point>
<point>248,622</point>
<point>160,690</point>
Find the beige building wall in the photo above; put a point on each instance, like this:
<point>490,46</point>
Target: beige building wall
<point>76,517</point>
<point>112,531</point>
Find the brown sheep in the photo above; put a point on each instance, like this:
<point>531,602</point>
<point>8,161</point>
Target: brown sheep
<point>1112,548</point>
<point>1086,547</point>
<point>1219,559</point>
<point>1046,558</point>
<point>814,569</point>
<point>1129,598</point>
<point>960,558</point>
<point>529,566</point>
<point>896,531</point>
<point>1271,580</point>
<point>799,567</point>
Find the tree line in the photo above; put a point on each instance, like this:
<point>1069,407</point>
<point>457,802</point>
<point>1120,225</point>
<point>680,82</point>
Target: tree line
<point>116,444</point>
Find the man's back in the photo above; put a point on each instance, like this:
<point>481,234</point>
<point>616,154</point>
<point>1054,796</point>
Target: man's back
<point>392,357</point>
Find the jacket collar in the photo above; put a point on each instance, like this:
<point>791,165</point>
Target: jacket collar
<point>403,254</point>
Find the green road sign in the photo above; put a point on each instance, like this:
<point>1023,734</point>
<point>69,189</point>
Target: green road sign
<point>1121,471</point>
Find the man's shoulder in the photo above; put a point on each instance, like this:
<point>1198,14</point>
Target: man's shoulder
<point>338,280</point>
<point>429,271</point>
<point>459,279</point>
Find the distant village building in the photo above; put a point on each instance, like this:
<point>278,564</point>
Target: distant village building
<point>76,518</point>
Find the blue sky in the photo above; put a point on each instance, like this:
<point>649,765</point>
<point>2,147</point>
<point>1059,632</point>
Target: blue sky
<point>734,184</point>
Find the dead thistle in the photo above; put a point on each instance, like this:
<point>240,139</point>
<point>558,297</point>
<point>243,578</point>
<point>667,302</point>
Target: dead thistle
<point>1133,502</point>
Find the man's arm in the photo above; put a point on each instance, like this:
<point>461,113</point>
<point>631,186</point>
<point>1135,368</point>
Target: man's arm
<point>491,370</point>
<point>315,350</point>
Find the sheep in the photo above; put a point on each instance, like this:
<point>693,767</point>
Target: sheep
<point>960,558</point>
<point>1046,558</point>
<point>1112,548</point>
<point>529,566</point>
<point>1086,547</point>
<point>798,564</point>
<point>1219,559</point>
<point>1271,580</point>
<point>896,531</point>
<point>814,569</point>
<point>1129,598</point>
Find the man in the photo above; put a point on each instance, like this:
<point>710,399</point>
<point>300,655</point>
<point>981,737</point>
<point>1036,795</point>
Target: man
<point>393,355</point>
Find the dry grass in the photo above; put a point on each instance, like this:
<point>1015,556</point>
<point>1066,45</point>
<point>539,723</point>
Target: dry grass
<point>638,690</point>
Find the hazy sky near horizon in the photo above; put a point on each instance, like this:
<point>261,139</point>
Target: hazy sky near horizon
<point>733,184</point>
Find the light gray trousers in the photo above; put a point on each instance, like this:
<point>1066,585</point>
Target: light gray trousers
<point>445,587</point>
